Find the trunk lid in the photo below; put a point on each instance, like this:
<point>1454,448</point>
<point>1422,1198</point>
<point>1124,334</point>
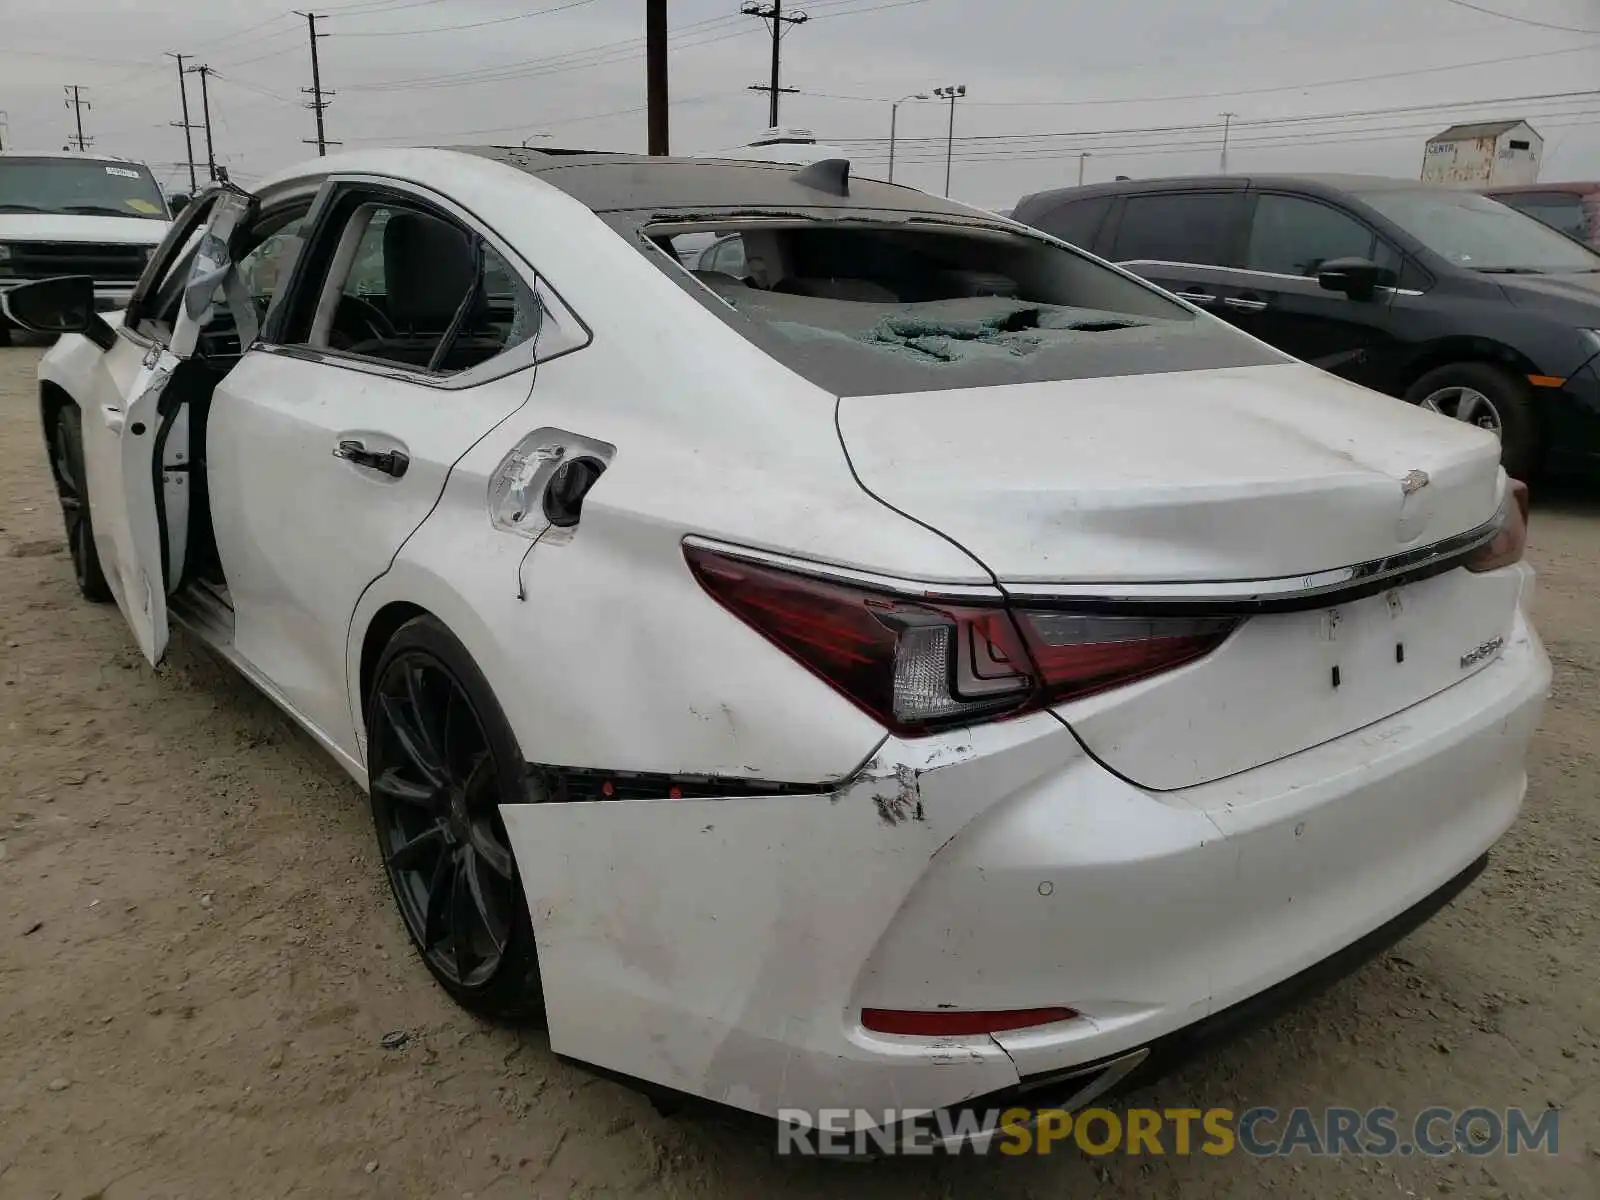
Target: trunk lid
<point>1212,476</point>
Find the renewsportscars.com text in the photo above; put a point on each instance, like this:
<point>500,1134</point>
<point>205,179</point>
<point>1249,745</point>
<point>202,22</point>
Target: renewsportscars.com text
<point>1258,1132</point>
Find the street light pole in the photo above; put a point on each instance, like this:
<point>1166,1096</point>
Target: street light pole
<point>894,114</point>
<point>952,93</point>
<point>1083,156</point>
<point>530,138</point>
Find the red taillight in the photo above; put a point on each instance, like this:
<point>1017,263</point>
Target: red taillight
<point>949,1023</point>
<point>1512,540</point>
<point>1079,655</point>
<point>918,664</point>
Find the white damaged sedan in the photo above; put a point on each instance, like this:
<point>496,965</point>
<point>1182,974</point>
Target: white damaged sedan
<point>910,665</point>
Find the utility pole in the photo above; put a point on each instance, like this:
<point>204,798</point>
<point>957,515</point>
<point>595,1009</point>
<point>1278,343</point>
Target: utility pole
<point>952,93</point>
<point>779,24</point>
<point>77,104</point>
<point>5,125</point>
<point>188,138</point>
<point>655,70</point>
<point>318,103</point>
<point>205,73</point>
<point>894,115</point>
<point>1227,123</point>
<point>1083,157</point>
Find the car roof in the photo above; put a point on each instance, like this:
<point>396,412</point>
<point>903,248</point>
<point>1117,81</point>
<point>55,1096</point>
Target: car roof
<point>1577,188</point>
<point>623,183</point>
<point>71,155</point>
<point>1325,183</point>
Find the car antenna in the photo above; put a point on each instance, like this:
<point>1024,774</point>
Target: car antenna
<point>831,175</point>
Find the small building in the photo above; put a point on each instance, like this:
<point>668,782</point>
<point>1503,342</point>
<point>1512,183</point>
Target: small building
<point>1484,154</point>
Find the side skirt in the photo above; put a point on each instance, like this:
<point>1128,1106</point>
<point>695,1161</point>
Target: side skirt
<point>205,613</point>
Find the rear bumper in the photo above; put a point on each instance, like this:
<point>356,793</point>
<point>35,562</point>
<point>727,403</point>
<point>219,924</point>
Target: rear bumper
<point>726,948</point>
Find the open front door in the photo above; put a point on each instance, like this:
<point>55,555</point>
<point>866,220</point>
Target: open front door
<point>145,564</point>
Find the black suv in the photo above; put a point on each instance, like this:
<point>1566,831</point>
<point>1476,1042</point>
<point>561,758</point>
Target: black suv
<point>1444,298</point>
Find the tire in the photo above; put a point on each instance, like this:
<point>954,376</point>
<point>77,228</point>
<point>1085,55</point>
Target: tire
<point>5,333</point>
<point>72,491</point>
<point>441,758</point>
<point>1449,389</point>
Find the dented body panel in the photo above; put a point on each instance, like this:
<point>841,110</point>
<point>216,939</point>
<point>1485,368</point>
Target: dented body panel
<point>726,948</point>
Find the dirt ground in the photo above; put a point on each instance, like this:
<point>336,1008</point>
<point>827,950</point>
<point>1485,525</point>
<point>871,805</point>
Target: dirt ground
<point>199,962</point>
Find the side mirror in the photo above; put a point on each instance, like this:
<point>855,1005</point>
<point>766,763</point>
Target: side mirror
<point>61,305</point>
<point>1357,278</point>
<point>178,203</point>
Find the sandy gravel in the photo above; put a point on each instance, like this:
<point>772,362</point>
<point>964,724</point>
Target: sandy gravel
<point>198,962</point>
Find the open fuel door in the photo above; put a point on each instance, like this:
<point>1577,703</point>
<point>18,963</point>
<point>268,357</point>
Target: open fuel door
<point>146,566</point>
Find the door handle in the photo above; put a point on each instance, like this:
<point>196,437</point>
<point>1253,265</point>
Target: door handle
<point>389,462</point>
<point>1244,304</point>
<point>1204,299</point>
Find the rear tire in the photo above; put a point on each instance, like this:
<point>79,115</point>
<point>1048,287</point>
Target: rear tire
<point>5,333</point>
<point>1491,397</point>
<point>72,491</point>
<point>441,759</point>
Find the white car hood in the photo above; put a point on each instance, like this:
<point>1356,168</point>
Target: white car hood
<point>1233,474</point>
<point>81,227</point>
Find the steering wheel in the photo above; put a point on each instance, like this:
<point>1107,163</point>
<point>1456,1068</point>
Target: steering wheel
<point>357,320</point>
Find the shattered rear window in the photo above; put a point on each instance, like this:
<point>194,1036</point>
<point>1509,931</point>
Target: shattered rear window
<point>878,308</point>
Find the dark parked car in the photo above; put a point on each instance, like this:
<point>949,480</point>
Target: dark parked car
<point>1573,208</point>
<point>1445,298</point>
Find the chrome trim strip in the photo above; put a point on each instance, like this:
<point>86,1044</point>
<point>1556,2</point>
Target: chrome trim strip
<point>1437,555</point>
<point>909,588</point>
<point>1289,589</point>
<point>1311,279</point>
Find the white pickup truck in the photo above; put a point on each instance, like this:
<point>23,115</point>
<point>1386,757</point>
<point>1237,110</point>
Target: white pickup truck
<point>77,214</point>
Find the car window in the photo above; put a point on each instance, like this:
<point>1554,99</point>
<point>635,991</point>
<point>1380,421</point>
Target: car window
<point>168,267</point>
<point>1559,210</point>
<point>1077,221</point>
<point>422,291</point>
<point>726,258</point>
<point>262,269</point>
<point>876,307</point>
<point>1181,227</point>
<point>1481,234</point>
<point>1291,235</point>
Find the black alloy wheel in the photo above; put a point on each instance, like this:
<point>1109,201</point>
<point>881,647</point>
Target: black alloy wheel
<point>66,462</point>
<point>441,760</point>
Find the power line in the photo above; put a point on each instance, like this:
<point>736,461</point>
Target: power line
<point>601,55</point>
<point>1259,91</point>
<point>542,12</point>
<point>599,116</point>
<point>1280,139</point>
<point>1303,118</point>
<point>1489,12</point>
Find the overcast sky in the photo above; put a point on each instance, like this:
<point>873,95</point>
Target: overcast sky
<point>1140,85</point>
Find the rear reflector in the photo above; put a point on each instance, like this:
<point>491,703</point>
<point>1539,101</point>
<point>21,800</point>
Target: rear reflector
<point>1509,544</point>
<point>949,1023</point>
<point>918,664</point>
